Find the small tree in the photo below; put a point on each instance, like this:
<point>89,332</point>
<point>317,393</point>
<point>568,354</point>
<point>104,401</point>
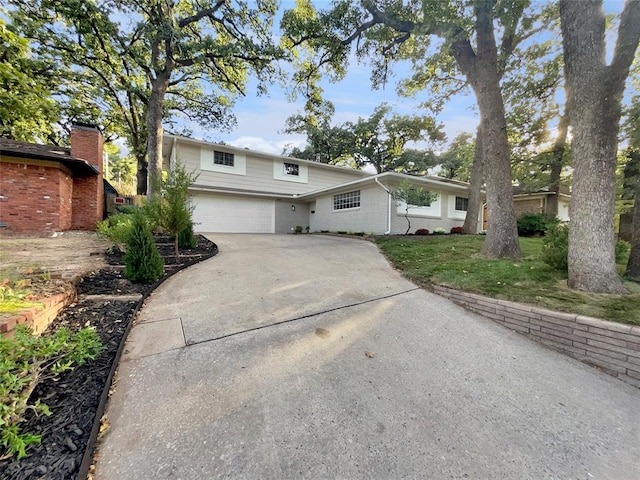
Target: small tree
<point>413,197</point>
<point>143,263</point>
<point>170,210</point>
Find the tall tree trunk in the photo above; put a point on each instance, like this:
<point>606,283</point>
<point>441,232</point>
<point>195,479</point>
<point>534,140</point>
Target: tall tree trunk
<point>141,175</point>
<point>154,126</point>
<point>502,233</point>
<point>595,92</point>
<point>475,186</point>
<point>557,163</point>
<point>633,265</point>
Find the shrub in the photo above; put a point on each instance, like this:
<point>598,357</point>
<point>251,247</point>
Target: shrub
<point>623,249</point>
<point>117,228</point>
<point>439,231</point>
<point>27,360</point>
<point>459,230</point>
<point>170,209</point>
<point>422,231</point>
<point>530,224</point>
<point>143,263</point>
<point>555,246</point>
<point>298,229</point>
<point>186,238</point>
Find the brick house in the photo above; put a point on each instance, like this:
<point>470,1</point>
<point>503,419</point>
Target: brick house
<point>45,188</point>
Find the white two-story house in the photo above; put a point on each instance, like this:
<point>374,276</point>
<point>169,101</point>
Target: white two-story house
<point>243,191</point>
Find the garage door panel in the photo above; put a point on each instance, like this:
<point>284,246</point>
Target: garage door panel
<point>232,214</point>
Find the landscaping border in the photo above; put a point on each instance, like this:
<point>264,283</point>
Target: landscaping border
<point>40,316</point>
<point>612,347</point>
<point>87,459</point>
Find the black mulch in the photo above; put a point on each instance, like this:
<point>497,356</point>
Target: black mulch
<point>75,397</point>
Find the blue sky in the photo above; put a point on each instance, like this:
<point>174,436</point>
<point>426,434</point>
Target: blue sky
<point>261,119</point>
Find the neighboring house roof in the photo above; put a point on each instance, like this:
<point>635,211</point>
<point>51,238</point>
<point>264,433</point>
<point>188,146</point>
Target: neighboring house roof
<point>62,155</point>
<point>427,181</point>
<point>169,139</point>
<point>521,191</point>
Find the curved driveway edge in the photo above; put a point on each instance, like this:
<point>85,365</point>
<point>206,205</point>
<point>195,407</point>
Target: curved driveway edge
<point>310,357</point>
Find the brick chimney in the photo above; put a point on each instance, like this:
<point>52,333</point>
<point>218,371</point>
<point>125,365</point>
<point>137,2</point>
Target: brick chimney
<point>88,192</point>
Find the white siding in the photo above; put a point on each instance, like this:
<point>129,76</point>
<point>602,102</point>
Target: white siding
<point>563,209</point>
<point>258,173</point>
<point>233,214</point>
<point>439,220</point>
<point>371,217</point>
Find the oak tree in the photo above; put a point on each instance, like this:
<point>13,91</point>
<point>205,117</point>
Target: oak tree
<point>595,91</point>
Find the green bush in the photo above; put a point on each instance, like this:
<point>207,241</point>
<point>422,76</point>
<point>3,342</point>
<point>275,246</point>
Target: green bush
<point>555,246</point>
<point>530,224</point>
<point>186,238</point>
<point>116,228</point>
<point>26,360</point>
<point>623,249</point>
<point>143,263</point>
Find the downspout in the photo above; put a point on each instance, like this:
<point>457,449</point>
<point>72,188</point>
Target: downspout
<point>172,157</point>
<point>388,205</point>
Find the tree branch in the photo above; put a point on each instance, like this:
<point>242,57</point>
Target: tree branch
<point>208,12</point>
<point>626,46</point>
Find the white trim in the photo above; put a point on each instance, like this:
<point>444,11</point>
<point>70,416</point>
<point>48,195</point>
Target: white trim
<point>278,171</point>
<point>207,164</point>
<point>432,211</point>
<point>451,209</point>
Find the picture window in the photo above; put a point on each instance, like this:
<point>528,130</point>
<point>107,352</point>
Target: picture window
<point>223,158</point>
<point>291,169</point>
<point>343,201</point>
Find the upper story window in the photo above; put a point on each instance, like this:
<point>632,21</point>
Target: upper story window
<point>223,158</point>
<point>291,169</point>
<point>342,201</point>
<point>462,204</point>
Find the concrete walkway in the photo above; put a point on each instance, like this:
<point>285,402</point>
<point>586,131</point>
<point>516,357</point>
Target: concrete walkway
<point>308,356</point>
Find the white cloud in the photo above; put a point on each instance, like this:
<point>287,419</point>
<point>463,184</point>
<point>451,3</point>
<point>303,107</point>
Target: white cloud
<point>266,145</point>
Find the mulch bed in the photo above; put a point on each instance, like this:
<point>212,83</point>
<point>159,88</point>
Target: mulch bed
<point>75,397</point>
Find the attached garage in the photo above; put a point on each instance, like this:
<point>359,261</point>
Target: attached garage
<point>233,214</point>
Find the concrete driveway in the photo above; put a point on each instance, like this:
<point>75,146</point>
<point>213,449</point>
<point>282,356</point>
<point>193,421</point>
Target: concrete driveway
<point>308,356</point>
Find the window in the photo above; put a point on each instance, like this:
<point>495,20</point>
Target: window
<point>462,204</point>
<point>223,158</point>
<point>291,169</point>
<point>342,201</point>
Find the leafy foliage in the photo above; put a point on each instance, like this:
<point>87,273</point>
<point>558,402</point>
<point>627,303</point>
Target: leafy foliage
<point>379,141</point>
<point>555,246</point>
<point>170,210</point>
<point>186,239</point>
<point>143,263</point>
<point>27,109</point>
<point>117,227</point>
<point>25,360</point>
<point>530,224</point>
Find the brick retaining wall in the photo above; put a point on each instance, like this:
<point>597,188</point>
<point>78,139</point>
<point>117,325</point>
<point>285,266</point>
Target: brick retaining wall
<point>613,347</point>
<point>38,318</point>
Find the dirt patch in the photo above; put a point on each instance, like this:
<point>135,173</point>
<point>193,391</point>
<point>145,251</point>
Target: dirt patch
<point>66,255</point>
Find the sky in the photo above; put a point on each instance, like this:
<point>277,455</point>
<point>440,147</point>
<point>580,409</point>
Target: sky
<point>260,120</point>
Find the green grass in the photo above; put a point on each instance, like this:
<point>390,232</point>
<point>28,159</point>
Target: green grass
<point>454,261</point>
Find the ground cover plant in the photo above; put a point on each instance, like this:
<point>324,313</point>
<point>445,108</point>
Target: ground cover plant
<point>454,261</point>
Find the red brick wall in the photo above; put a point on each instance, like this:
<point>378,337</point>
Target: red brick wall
<point>88,193</point>
<point>529,205</point>
<point>35,196</point>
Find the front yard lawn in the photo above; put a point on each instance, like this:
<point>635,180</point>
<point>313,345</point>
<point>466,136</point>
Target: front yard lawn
<point>453,261</point>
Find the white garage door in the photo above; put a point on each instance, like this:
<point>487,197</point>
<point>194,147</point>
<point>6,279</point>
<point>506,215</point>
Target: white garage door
<point>232,214</point>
